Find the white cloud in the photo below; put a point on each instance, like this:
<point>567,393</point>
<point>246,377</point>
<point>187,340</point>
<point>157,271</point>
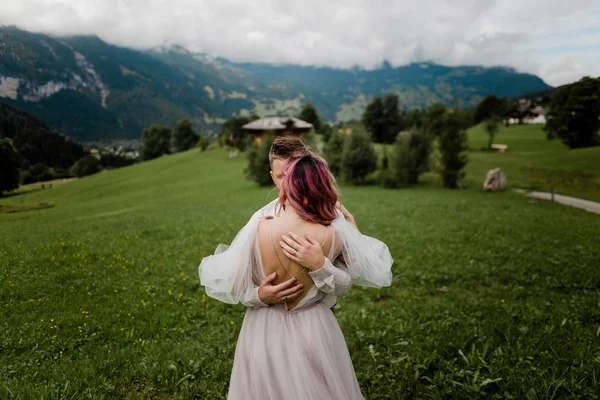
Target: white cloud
<point>558,40</point>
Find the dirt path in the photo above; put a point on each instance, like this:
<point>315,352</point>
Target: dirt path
<point>587,205</point>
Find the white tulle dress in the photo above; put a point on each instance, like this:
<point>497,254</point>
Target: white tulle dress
<point>299,354</point>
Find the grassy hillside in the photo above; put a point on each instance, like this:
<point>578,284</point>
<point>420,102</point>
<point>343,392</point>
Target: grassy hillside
<point>100,296</point>
<point>533,162</point>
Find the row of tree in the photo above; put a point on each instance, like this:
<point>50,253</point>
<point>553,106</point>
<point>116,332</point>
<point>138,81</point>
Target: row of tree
<point>435,140</point>
<point>354,157</point>
<point>158,140</point>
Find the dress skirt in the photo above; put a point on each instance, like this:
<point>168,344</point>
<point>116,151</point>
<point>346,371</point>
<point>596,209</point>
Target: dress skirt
<point>292,355</point>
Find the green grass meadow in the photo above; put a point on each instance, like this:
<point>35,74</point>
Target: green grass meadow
<point>533,162</point>
<point>494,296</point>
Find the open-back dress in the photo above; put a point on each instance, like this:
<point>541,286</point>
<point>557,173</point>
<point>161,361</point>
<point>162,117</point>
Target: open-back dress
<point>301,353</point>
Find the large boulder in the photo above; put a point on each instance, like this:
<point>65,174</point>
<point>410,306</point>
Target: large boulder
<point>495,180</point>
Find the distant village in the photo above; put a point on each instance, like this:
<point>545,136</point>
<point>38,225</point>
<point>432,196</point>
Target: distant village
<point>126,152</point>
<point>526,112</point>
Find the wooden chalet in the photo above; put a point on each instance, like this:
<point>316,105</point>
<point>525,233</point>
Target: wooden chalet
<point>280,126</point>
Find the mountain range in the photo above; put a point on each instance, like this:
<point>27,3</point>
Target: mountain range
<point>92,90</point>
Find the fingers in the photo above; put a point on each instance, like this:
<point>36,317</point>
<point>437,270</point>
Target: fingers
<point>268,279</point>
<point>297,238</point>
<point>294,245</point>
<point>310,239</point>
<point>287,248</point>
<point>290,297</point>
<point>284,285</point>
<point>291,256</point>
<point>290,291</point>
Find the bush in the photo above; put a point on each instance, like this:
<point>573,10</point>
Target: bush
<point>258,168</point>
<point>88,165</point>
<point>183,136</point>
<point>203,143</point>
<point>9,166</point>
<point>333,152</point>
<point>156,141</point>
<point>452,144</point>
<point>410,160</point>
<point>358,158</point>
<point>37,173</point>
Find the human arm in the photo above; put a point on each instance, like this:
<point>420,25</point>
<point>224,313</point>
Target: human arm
<point>331,278</point>
<point>266,293</point>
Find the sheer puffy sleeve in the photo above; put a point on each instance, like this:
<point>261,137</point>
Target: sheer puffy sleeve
<point>230,274</point>
<point>368,260</point>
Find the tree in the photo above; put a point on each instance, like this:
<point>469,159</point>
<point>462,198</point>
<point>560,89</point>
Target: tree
<point>203,143</point>
<point>38,173</point>
<point>326,131</point>
<point>411,159</point>
<point>452,145</point>
<point>491,107</point>
<point>374,120</point>
<point>333,152</point>
<point>491,127</point>
<point>358,158</point>
<point>258,168</point>
<point>233,134</point>
<point>574,115</point>
<point>393,118</point>
<point>414,118</point>
<point>156,141</point>
<point>310,115</point>
<point>183,136</point>
<point>382,119</point>
<point>487,108</point>
<point>9,166</point>
<point>88,165</point>
<point>435,119</point>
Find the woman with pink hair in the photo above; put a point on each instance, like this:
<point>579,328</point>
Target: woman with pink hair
<point>296,349</point>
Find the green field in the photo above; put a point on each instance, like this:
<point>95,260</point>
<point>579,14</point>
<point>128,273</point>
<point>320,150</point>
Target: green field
<point>533,162</point>
<point>495,296</point>
<point>530,162</point>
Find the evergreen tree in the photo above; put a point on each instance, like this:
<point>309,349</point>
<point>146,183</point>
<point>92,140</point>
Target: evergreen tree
<point>9,166</point>
<point>333,153</point>
<point>183,136</point>
<point>374,120</point>
<point>393,118</point>
<point>310,115</point>
<point>574,115</point>
<point>452,145</point>
<point>358,158</point>
<point>156,141</point>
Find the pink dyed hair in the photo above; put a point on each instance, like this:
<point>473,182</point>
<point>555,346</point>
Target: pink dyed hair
<point>310,188</point>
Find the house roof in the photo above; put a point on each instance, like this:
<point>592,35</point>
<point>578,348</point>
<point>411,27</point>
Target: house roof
<point>276,123</point>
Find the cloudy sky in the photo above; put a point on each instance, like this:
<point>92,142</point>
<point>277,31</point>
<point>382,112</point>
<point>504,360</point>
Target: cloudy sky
<point>558,40</point>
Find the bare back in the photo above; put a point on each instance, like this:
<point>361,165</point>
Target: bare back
<point>269,236</point>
